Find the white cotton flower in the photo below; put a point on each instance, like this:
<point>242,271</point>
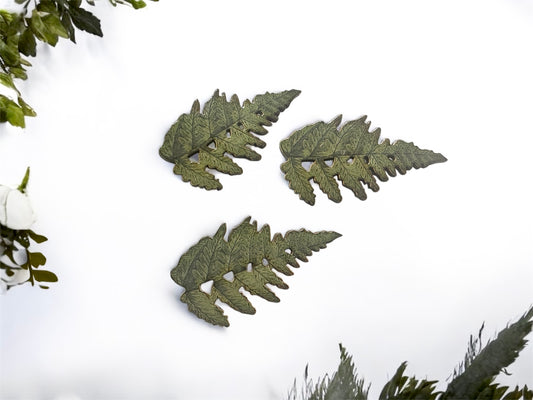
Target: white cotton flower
<point>19,276</point>
<point>15,209</point>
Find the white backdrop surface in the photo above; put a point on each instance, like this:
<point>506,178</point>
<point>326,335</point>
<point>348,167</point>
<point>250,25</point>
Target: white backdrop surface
<point>421,263</point>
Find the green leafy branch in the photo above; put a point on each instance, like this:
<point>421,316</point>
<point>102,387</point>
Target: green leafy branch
<point>18,241</point>
<point>473,379</point>
<point>45,21</point>
<point>16,259</point>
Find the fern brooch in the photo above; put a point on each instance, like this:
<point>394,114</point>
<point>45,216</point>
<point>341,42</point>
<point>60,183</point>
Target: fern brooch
<point>200,141</point>
<point>246,261</point>
<point>352,153</point>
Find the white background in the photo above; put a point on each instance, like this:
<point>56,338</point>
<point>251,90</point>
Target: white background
<point>421,264</point>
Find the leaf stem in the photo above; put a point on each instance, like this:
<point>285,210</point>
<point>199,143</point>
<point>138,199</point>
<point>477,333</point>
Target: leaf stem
<point>24,183</point>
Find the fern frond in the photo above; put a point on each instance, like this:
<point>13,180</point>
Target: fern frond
<point>344,385</point>
<point>247,260</point>
<point>498,354</point>
<point>352,154</point>
<point>472,380</point>
<point>474,347</point>
<point>201,141</point>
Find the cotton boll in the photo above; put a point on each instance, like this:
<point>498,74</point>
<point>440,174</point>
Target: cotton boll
<point>15,209</point>
<point>19,276</point>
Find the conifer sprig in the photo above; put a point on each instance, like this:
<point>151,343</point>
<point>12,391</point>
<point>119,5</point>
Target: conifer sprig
<point>473,380</point>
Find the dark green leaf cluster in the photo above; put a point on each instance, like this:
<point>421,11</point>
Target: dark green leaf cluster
<point>48,21</point>
<point>473,380</point>
<point>13,65</point>
<point>247,260</point>
<point>203,140</point>
<point>352,154</point>
<point>15,246</point>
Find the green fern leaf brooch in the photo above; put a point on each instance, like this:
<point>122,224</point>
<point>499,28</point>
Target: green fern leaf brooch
<point>352,154</point>
<point>201,141</point>
<point>246,261</point>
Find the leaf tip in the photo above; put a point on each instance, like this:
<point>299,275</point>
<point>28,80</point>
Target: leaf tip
<point>336,121</point>
<point>295,92</point>
<point>195,109</point>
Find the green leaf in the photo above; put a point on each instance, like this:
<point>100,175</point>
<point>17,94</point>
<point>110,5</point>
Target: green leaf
<point>6,80</point>
<point>36,238</point>
<point>9,54</point>
<point>19,73</point>
<point>223,128</point>
<point>47,6</point>
<point>40,29</point>
<point>250,257</point>
<point>11,112</point>
<point>44,276</point>
<point>137,4</point>
<point>484,366</point>
<point>401,387</point>
<point>67,23</point>
<point>37,259</point>
<point>86,21</point>
<point>26,109</point>
<point>6,16</point>
<point>352,155</point>
<point>345,384</point>
<point>54,26</point>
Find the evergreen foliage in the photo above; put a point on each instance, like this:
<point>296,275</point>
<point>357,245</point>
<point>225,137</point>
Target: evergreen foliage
<point>345,384</point>
<point>475,377</point>
<point>472,380</point>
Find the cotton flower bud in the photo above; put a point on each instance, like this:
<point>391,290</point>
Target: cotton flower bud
<point>15,209</point>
